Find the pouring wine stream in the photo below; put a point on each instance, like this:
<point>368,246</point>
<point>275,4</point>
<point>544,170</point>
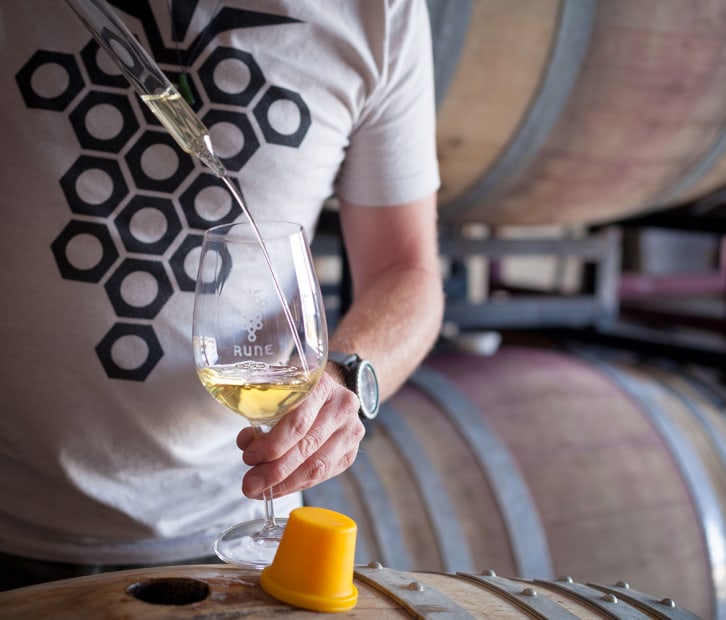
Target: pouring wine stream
<point>172,110</point>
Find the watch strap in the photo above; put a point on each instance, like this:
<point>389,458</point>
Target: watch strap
<point>349,364</point>
<point>344,360</point>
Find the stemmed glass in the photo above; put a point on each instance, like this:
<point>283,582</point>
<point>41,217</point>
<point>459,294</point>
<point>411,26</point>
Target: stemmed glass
<point>260,344</point>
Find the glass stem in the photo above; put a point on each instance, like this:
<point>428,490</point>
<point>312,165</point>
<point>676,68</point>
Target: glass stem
<point>270,525</point>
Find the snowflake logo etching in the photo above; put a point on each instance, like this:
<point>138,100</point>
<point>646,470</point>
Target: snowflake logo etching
<point>252,321</point>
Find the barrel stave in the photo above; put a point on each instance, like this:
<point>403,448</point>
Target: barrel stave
<point>637,124</point>
<point>613,501</point>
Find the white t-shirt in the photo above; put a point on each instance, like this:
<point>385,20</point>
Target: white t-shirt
<point>110,449</point>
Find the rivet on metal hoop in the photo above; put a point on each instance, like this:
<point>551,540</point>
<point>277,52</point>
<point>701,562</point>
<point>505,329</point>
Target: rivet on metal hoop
<point>375,564</point>
<point>566,579</point>
<point>416,585</point>
<point>529,592</point>
<point>668,602</point>
<point>623,584</point>
<point>610,598</point>
<point>489,573</point>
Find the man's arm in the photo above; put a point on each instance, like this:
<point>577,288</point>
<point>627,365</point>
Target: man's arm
<point>397,290</point>
<point>393,322</point>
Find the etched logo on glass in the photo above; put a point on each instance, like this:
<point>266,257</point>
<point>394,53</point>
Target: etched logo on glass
<point>252,322</point>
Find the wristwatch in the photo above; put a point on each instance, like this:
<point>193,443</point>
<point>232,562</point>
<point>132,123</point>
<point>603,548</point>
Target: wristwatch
<point>360,377</point>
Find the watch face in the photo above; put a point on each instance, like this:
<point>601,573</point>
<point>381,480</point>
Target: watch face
<point>368,390</point>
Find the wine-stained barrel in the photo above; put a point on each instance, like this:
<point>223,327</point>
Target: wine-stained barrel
<point>538,463</point>
<point>209,591</point>
<point>578,111</point>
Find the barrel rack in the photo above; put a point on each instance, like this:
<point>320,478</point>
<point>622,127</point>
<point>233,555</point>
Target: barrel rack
<point>685,331</point>
<point>606,310</point>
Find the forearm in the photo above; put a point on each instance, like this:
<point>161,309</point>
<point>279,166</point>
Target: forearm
<point>398,299</point>
<point>394,323</point>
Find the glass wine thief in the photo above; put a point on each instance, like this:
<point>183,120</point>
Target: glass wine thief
<point>150,82</point>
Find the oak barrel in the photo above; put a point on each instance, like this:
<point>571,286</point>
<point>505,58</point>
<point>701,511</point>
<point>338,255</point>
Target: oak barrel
<point>537,463</point>
<point>211,591</point>
<point>578,111</point>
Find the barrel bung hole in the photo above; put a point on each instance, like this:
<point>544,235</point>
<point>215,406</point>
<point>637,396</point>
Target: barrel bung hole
<point>169,591</point>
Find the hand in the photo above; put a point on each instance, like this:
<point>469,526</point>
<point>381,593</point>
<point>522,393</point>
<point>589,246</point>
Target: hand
<point>314,442</point>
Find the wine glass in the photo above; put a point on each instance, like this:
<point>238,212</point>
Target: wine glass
<point>260,344</point>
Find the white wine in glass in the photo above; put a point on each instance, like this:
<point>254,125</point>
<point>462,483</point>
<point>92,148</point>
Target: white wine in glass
<point>260,344</point>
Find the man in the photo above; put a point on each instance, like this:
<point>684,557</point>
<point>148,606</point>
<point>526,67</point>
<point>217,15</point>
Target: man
<point>112,454</point>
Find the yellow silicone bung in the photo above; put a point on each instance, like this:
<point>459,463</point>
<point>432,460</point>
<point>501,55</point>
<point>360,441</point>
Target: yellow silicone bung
<point>314,563</point>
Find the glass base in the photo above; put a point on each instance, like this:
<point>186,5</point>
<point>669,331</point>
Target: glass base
<point>250,544</point>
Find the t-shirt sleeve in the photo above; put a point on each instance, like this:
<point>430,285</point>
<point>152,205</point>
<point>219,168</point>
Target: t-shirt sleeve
<point>391,158</point>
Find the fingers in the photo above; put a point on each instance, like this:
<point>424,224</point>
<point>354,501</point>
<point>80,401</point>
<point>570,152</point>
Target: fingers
<point>315,442</point>
<point>334,457</point>
<point>325,464</point>
<point>262,448</point>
